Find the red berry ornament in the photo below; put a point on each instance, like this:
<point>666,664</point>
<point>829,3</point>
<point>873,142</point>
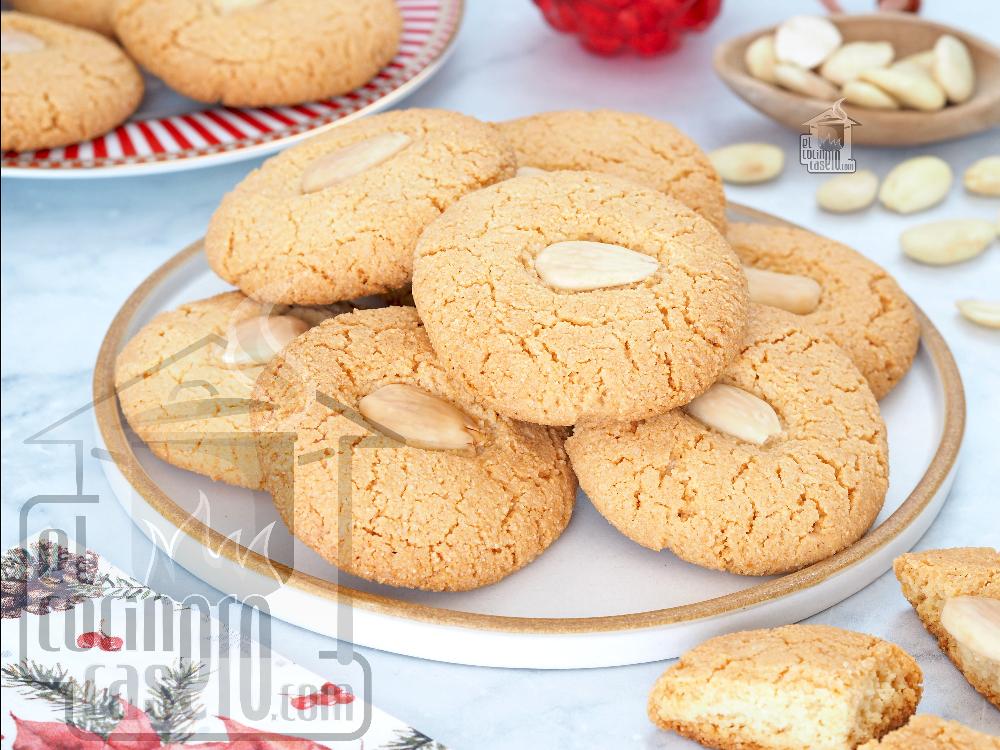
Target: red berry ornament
<point>87,640</point>
<point>302,702</point>
<point>647,27</point>
<point>110,643</point>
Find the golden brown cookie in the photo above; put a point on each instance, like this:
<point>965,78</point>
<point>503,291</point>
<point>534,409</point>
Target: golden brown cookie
<point>61,84</point>
<point>923,732</point>
<point>930,579</point>
<point>374,485</point>
<point>861,307</point>
<point>725,502</point>
<point>184,381</point>
<point>281,238</point>
<point>639,148</point>
<point>551,331</point>
<point>788,688</point>
<point>247,53</point>
<point>90,14</point>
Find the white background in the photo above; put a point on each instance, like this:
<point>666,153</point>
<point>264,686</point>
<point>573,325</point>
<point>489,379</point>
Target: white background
<point>73,251</point>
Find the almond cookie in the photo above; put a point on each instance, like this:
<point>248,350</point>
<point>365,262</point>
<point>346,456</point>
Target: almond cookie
<point>252,53</point>
<point>639,148</point>
<point>853,300</point>
<point>788,688</point>
<point>338,216</point>
<point>793,468</point>
<point>61,84</point>
<point>392,471</point>
<point>923,732</point>
<point>956,593</point>
<point>184,381</point>
<point>563,296</point>
<point>89,14</point>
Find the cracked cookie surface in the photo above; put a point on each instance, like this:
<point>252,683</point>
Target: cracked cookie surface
<point>924,732</point>
<point>89,14</point>
<point>401,515</point>
<point>720,502</point>
<point>787,688</point>
<point>355,237</point>
<point>65,85</point>
<point>639,148</point>
<point>861,306</point>
<point>554,357</point>
<point>930,578</point>
<point>260,54</point>
<point>183,401</point>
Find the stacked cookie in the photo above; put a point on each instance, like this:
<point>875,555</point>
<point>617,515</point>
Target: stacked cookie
<point>568,270</point>
<point>65,81</point>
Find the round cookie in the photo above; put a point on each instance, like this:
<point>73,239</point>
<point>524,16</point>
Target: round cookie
<point>247,53</point>
<point>542,354</point>
<point>61,84</point>
<point>415,517</point>
<point>184,400</point>
<point>861,306</point>
<point>639,148</point>
<point>721,502</point>
<point>88,14</point>
<point>280,240</point>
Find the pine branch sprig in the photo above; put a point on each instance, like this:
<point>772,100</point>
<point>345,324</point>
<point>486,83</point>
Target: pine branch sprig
<point>174,706</point>
<point>86,707</point>
<point>117,587</point>
<point>413,739</point>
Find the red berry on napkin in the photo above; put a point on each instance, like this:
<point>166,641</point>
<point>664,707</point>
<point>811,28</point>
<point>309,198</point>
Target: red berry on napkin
<point>110,643</point>
<point>302,702</point>
<point>87,640</point>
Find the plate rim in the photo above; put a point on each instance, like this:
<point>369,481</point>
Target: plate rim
<point>264,148</point>
<point>110,423</point>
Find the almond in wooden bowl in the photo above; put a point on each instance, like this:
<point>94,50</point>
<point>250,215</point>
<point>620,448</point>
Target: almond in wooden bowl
<point>909,35</point>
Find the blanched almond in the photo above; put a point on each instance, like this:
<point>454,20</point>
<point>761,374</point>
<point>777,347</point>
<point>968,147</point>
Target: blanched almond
<point>982,312</point>
<point>924,59</point>
<point>869,95</point>
<point>909,87</point>
<point>804,82</point>
<point>418,418</point>
<point>256,340</point>
<point>974,621</point>
<point>352,160</point>
<point>582,265</point>
<point>953,68</point>
<point>941,243</point>
<point>735,412</point>
<point>806,41</point>
<point>848,192</point>
<point>15,42</point>
<point>791,292</point>
<point>748,163</point>
<point>760,59</point>
<point>916,184</point>
<point>983,177</point>
<point>848,62</point>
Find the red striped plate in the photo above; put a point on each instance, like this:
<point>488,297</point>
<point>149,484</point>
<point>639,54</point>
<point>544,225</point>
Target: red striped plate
<point>170,132</point>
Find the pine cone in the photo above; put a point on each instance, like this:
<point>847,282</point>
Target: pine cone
<point>46,578</point>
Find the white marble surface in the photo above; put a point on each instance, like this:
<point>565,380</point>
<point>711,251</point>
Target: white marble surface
<point>73,251</point>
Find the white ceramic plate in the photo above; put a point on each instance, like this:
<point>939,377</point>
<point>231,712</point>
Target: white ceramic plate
<point>593,599</point>
<point>170,132</point>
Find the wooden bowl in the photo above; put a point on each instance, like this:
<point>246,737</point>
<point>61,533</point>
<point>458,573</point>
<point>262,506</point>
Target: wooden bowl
<point>908,34</point>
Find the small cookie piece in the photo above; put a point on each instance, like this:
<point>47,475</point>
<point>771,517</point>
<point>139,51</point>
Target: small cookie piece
<point>563,296</point>
<point>184,384</point>
<point>61,84</point>
<point>723,502</point>
<point>788,688</point>
<point>924,732</point>
<point>88,14</point>
<point>282,237</point>
<point>930,578</point>
<point>861,306</point>
<point>460,516</point>
<point>252,53</point>
<point>639,148</point>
